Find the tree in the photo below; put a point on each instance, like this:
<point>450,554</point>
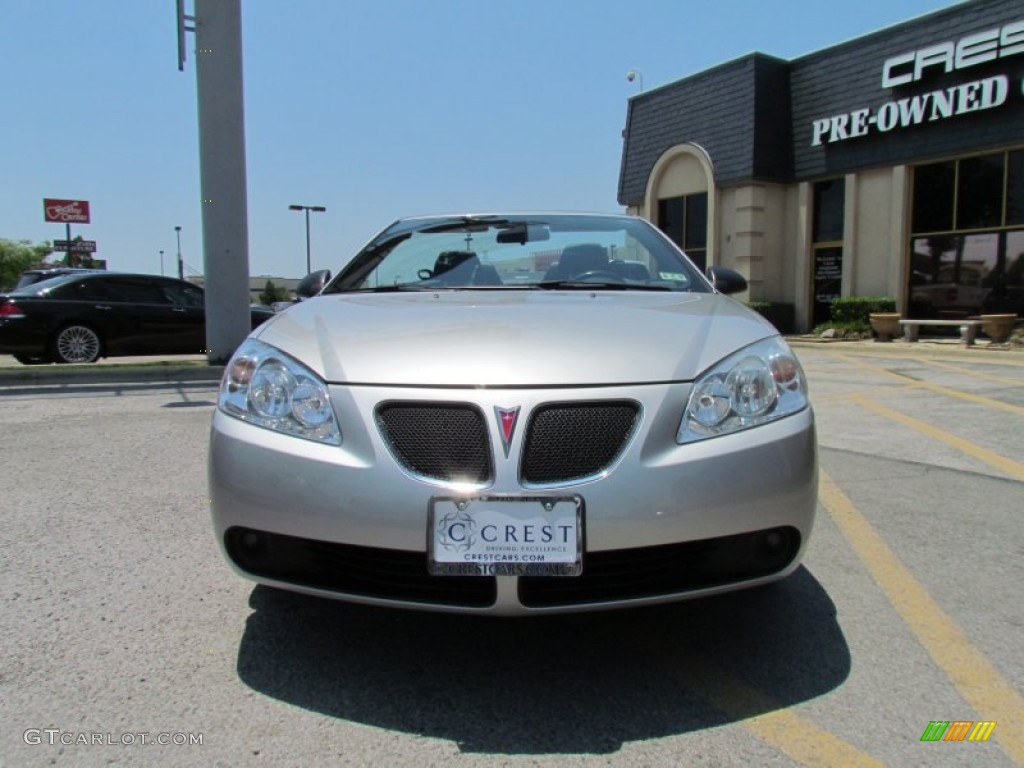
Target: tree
<point>18,255</point>
<point>272,293</point>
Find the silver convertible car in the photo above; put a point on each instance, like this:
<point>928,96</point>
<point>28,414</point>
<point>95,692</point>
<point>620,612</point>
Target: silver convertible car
<point>515,414</point>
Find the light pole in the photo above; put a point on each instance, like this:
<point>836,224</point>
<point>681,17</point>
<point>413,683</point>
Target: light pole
<point>181,264</point>
<point>307,209</point>
<point>161,263</point>
<point>636,74</point>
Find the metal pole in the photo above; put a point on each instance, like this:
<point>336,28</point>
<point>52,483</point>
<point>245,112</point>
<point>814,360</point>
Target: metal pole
<point>309,263</point>
<point>161,263</point>
<point>307,209</point>
<point>181,264</point>
<point>222,175</point>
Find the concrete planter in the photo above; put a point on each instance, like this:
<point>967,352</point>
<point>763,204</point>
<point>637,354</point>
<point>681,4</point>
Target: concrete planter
<point>886,325</point>
<point>998,327</point>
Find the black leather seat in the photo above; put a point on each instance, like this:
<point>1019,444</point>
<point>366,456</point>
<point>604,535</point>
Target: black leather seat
<point>455,267</point>
<point>578,259</point>
<point>630,270</point>
<point>486,274</point>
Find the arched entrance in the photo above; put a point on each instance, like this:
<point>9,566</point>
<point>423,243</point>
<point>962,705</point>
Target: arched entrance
<point>680,200</point>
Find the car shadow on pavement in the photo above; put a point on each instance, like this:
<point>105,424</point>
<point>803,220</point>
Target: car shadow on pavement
<point>583,683</point>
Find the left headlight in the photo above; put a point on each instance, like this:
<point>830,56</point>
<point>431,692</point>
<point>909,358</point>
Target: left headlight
<point>266,387</point>
<point>756,385</point>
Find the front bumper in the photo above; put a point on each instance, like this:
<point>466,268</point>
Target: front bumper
<point>665,522</point>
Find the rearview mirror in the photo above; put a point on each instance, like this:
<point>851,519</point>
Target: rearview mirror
<point>523,233</point>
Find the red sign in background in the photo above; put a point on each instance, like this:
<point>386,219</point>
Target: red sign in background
<point>66,211</point>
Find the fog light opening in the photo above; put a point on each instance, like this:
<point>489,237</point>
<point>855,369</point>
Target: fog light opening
<point>247,546</point>
<point>776,547</point>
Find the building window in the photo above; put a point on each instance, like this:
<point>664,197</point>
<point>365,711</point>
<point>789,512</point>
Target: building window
<point>1015,189</point>
<point>967,243</point>
<point>685,221</point>
<point>934,187</point>
<point>829,205</point>
<point>979,192</point>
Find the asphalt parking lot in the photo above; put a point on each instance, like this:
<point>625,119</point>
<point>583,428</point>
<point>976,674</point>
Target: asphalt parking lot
<point>123,627</point>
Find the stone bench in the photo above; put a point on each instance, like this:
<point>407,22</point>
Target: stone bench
<point>968,328</point>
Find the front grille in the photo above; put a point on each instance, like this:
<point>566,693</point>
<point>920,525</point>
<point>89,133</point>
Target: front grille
<point>388,574</point>
<point>438,441</point>
<point>566,442</point>
<point>668,569</point>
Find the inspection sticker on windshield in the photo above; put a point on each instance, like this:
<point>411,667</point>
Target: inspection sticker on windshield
<point>505,536</point>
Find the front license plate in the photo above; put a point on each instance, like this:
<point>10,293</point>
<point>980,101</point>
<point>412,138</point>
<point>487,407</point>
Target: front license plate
<point>505,536</point>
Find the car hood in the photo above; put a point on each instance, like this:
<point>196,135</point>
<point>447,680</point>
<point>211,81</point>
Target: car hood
<point>513,338</point>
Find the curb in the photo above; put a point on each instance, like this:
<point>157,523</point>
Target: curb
<point>168,373</point>
<point>982,353</point>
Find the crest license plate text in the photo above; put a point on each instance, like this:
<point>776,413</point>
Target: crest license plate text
<point>505,536</point>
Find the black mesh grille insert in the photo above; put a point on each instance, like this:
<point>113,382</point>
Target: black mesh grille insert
<point>366,571</point>
<point>439,441</point>
<point>566,442</point>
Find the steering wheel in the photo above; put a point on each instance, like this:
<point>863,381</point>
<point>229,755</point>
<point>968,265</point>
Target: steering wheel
<point>600,273</point>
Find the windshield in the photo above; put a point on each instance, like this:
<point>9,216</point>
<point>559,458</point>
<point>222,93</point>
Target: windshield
<point>521,252</point>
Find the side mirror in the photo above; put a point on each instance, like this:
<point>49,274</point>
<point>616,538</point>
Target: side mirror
<point>313,283</point>
<point>726,280</point>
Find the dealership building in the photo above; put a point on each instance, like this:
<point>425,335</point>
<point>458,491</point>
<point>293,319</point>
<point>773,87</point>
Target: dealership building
<point>889,165</point>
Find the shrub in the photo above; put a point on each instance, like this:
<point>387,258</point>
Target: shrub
<point>856,309</point>
<point>272,293</point>
<point>854,330</point>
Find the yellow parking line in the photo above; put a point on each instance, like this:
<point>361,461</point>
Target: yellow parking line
<point>795,736</point>
<point>986,401</point>
<point>805,742</point>
<point>1009,466</point>
<point>885,390</point>
<point>779,727</point>
<point>977,680</point>
<point>975,373</point>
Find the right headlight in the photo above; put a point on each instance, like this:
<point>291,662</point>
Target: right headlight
<point>756,385</point>
<point>266,387</point>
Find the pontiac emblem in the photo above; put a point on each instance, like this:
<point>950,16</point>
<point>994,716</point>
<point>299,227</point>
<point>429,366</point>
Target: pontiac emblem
<point>507,418</point>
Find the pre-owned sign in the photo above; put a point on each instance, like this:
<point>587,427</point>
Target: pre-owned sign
<point>66,211</point>
<point>975,96</point>
<point>982,94</point>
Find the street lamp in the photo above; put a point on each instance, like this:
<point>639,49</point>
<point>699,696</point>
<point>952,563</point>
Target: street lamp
<point>636,74</point>
<point>161,263</point>
<point>181,264</point>
<point>307,209</point>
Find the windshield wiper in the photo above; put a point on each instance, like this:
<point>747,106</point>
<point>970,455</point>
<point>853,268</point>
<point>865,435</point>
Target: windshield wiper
<point>399,288</point>
<point>585,285</point>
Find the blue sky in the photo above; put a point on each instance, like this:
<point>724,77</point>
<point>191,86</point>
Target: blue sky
<point>376,109</point>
